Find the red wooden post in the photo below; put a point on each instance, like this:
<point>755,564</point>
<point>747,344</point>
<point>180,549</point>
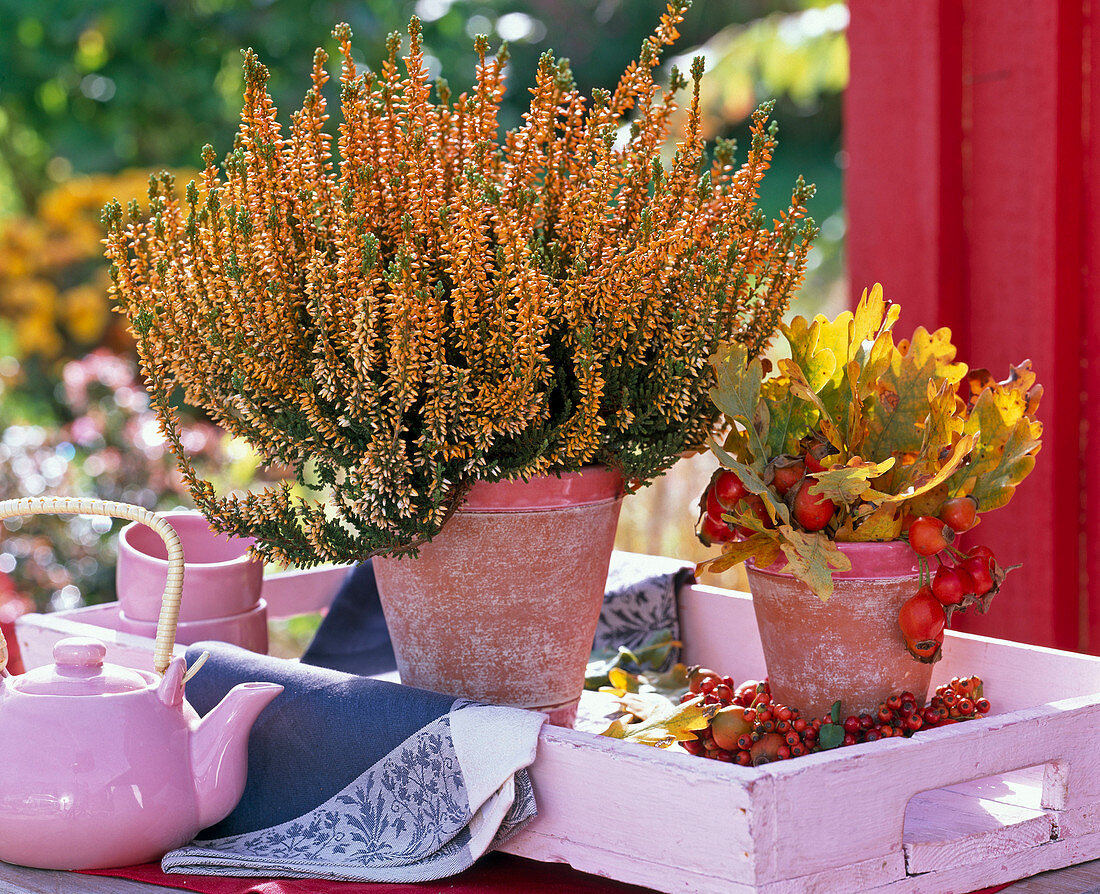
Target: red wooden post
<point>971,169</point>
<point>1089,356</point>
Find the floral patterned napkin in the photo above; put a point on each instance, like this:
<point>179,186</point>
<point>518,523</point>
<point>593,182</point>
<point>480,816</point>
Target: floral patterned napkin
<point>640,601</point>
<point>356,779</point>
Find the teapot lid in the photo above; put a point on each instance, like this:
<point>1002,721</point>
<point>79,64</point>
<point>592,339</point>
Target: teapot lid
<point>78,669</point>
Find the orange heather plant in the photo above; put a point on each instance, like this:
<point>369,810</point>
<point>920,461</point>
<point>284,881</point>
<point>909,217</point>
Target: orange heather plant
<point>429,306</point>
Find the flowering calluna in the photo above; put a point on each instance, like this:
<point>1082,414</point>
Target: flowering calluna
<point>439,306</point>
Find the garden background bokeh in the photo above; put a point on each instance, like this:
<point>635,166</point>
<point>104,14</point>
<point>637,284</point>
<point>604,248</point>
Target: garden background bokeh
<point>95,94</point>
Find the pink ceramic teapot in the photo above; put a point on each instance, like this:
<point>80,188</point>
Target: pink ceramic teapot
<point>109,766</point>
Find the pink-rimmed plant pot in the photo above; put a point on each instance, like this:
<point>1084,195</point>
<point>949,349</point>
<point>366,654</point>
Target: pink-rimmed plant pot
<point>502,605</point>
<point>848,648</point>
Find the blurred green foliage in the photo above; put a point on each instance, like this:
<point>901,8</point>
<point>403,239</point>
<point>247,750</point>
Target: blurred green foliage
<point>101,85</point>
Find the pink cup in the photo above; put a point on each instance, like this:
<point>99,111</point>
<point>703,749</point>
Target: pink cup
<point>221,582</point>
<point>247,630</point>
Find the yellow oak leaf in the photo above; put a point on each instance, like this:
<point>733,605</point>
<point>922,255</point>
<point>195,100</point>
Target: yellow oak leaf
<point>666,725</point>
<point>882,523</point>
<point>924,484</point>
<point>847,483</point>
<point>1007,440</point>
<point>872,316</point>
<point>813,558</point>
<point>762,547</point>
<point>818,365</point>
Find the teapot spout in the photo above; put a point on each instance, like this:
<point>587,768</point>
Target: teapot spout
<point>219,749</point>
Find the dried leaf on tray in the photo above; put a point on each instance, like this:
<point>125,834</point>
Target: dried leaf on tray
<point>665,725</point>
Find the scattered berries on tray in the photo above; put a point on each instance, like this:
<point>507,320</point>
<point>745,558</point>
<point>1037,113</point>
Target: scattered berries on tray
<point>750,729</point>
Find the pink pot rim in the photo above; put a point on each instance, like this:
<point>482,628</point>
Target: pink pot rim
<point>870,561</point>
<point>593,484</point>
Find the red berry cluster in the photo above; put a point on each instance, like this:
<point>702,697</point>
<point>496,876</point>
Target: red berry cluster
<point>787,476</point>
<point>750,729</point>
<point>962,580</point>
<point>961,699</point>
<point>727,494</point>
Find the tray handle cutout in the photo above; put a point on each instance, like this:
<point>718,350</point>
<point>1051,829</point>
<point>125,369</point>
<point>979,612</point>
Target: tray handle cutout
<point>970,822</point>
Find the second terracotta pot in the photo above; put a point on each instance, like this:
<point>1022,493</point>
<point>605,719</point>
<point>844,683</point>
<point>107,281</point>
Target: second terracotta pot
<point>848,648</point>
<point>502,605</point>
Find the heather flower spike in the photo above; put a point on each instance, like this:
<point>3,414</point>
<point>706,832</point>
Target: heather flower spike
<point>425,304</point>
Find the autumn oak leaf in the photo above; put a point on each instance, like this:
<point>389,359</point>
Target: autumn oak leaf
<point>1008,439</point>
<point>813,558</point>
<point>881,523</point>
<point>762,548</point>
<point>737,393</point>
<point>848,483</point>
<point>902,393</point>
<point>666,725</point>
<point>754,483</point>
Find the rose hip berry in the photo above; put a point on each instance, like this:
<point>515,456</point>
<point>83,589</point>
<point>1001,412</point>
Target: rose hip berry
<point>784,473</point>
<point>921,620</point>
<point>951,585</point>
<point>817,457</point>
<point>928,536</point>
<point>812,511</point>
<point>713,530</point>
<point>728,488</point>
<point>755,505</point>
<point>959,513</point>
<point>978,567</point>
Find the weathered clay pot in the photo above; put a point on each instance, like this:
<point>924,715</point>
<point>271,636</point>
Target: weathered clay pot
<point>849,648</point>
<point>502,605</point>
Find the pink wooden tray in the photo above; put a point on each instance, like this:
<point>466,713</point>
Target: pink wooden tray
<point>953,809</point>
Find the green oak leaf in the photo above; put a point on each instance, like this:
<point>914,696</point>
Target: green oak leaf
<point>799,387</point>
<point>897,413</point>
<point>790,417</point>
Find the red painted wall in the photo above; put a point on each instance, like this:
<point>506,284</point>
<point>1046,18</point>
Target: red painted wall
<point>972,190</point>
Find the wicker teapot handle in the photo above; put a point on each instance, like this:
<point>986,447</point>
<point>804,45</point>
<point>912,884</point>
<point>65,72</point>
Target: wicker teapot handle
<point>173,588</point>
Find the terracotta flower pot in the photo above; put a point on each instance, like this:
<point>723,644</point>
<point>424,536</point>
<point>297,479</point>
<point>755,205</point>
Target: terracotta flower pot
<point>848,648</point>
<point>502,605</point>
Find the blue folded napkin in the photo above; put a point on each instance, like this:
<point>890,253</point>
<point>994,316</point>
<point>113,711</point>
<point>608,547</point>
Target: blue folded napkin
<point>354,779</point>
<point>639,600</point>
